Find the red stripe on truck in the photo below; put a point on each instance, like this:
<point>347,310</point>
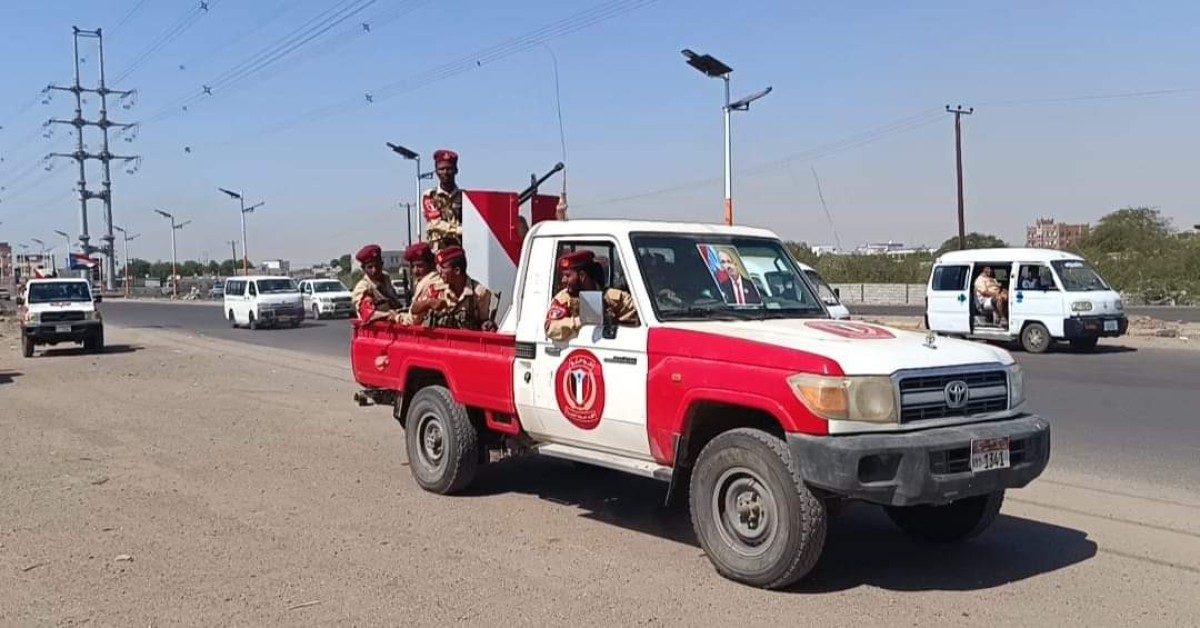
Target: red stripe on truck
<point>687,368</point>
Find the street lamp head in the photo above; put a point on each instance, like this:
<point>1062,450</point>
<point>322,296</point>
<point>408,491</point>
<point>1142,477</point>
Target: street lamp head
<point>232,194</point>
<point>403,152</point>
<point>707,64</point>
<point>183,224</point>
<point>121,229</point>
<point>67,235</point>
<point>164,214</point>
<point>38,241</point>
<point>744,104</point>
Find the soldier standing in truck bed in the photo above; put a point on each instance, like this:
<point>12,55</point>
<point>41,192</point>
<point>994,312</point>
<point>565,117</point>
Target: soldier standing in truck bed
<point>442,204</point>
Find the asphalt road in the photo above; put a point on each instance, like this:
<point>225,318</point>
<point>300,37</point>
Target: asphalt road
<point>1118,413</point>
<point>1185,314</point>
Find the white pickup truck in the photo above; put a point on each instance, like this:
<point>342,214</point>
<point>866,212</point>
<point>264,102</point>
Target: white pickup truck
<point>751,400</point>
<point>60,310</point>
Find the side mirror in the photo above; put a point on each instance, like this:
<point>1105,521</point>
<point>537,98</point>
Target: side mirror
<point>837,292</point>
<point>591,307</point>
<point>97,298</point>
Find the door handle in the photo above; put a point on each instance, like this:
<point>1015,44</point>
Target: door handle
<point>552,351</point>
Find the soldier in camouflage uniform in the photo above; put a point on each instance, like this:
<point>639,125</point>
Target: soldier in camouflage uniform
<point>454,300</point>
<point>580,271</point>
<point>374,297</point>
<point>442,205</point>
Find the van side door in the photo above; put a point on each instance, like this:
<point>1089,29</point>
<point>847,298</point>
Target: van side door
<point>948,305</point>
<point>1036,296</point>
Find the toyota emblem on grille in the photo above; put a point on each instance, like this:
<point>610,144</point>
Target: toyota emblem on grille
<point>956,394</point>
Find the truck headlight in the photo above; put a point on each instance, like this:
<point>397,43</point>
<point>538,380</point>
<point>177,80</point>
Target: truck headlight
<point>1081,306</point>
<point>1119,305</point>
<point>868,399</point>
<point>33,317</point>
<point>1016,386</point>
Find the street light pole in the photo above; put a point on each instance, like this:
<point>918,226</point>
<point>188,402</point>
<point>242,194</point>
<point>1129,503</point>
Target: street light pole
<point>174,261</point>
<point>126,237</point>
<point>713,68</point>
<point>410,155</point>
<point>243,210</point>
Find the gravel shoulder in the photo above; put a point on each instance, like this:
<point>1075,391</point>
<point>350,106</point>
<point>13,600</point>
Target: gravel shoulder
<point>180,480</point>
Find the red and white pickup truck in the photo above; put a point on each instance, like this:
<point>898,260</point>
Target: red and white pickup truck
<point>760,407</point>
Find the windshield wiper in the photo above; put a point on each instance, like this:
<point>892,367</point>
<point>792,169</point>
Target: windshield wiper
<point>713,313</point>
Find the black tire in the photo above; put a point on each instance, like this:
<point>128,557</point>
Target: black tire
<point>441,441</point>
<point>27,346</point>
<point>95,342</point>
<point>957,521</point>
<point>232,320</point>
<point>253,321</point>
<point>754,471</point>
<point>1035,338</point>
<point>296,323</point>
<point>1084,344</point>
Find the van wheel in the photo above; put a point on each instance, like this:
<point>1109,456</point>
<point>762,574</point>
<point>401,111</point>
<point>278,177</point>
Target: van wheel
<point>253,321</point>
<point>316,312</point>
<point>27,346</point>
<point>1084,344</point>
<point>441,441</point>
<point>957,521</point>
<point>232,320</point>
<point>756,520</point>
<point>1035,338</point>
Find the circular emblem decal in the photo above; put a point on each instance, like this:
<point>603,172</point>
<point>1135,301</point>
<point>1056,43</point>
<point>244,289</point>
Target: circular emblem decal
<point>579,387</point>
<point>857,331</point>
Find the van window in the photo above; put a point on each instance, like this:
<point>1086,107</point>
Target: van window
<point>253,289</point>
<point>1035,277</point>
<point>952,278</point>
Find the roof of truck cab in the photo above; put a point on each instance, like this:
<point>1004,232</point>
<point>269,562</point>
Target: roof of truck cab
<point>1005,255</point>
<point>589,227</point>
<point>257,278</point>
<point>58,280</point>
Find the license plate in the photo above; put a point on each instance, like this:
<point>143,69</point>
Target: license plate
<point>62,329</point>
<point>988,454</point>
<point>1110,325</point>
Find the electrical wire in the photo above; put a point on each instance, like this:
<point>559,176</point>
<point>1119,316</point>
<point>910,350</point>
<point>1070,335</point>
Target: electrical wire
<point>166,37</point>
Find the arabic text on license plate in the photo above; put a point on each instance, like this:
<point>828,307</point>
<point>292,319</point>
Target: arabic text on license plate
<point>62,329</point>
<point>988,454</point>
<point>1110,325</point>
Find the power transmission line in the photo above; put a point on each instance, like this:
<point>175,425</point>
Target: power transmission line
<point>166,37</point>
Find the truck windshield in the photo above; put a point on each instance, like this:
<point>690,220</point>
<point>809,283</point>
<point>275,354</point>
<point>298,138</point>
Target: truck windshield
<point>329,286</point>
<point>59,292</point>
<point>276,286</point>
<point>723,278</point>
<point>1078,276</point>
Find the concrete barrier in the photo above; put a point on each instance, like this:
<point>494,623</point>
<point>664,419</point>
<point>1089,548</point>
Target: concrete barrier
<point>881,293</point>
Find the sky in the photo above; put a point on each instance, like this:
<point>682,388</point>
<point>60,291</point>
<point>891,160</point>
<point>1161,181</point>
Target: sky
<point>1080,108</point>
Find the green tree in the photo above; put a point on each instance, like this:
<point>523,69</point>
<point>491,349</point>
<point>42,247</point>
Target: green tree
<point>975,240</point>
<point>1139,253</point>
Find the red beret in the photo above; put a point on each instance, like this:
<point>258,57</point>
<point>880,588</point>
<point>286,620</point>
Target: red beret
<point>445,155</point>
<point>450,253</point>
<point>418,251</point>
<point>368,253</point>
<point>577,260</point>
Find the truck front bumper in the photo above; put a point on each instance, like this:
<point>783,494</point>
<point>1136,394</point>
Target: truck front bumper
<point>73,331</point>
<point>925,467</point>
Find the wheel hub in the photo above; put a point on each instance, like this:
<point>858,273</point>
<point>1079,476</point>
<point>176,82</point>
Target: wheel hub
<point>432,441</point>
<point>745,511</point>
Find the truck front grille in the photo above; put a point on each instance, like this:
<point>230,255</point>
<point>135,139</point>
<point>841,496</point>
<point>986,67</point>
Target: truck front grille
<point>942,395</point>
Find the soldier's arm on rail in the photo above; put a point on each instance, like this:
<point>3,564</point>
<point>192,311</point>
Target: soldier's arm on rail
<point>560,324</point>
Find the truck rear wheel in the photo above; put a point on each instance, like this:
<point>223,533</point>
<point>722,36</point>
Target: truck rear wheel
<point>957,521</point>
<point>27,346</point>
<point>442,443</point>
<point>756,520</point>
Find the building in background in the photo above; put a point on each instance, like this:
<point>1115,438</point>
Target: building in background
<point>6,262</point>
<point>276,266</point>
<point>889,248</point>
<point>1047,234</point>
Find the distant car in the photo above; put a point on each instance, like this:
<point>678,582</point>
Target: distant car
<point>326,297</point>
<point>217,291</point>
<point>262,300</point>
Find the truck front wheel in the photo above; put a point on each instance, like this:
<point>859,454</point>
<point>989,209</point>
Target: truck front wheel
<point>756,520</point>
<point>957,521</point>
<point>442,443</point>
<point>27,346</point>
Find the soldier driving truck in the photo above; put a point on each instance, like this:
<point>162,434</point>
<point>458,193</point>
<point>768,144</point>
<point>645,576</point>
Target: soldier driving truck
<point>763,416</point>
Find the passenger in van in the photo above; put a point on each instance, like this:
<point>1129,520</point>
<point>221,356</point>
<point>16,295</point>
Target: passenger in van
<point>373,296</point>
<point>1028,281</point>
<point>991,293</point>
<point>580,271</point>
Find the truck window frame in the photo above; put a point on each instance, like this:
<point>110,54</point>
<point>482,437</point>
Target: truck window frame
<point>616,266</point>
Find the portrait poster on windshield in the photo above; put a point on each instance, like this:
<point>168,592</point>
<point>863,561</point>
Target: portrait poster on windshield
<point>729,274</point>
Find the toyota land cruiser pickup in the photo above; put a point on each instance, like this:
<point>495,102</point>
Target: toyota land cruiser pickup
<point>60,310</point>
<point>753,402</point>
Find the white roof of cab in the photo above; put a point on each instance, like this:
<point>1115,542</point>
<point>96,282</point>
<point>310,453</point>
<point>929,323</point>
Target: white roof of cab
<point>257,277</point>
<point>622,228</point>
<point>1006,255</point>
<point>58,280</point>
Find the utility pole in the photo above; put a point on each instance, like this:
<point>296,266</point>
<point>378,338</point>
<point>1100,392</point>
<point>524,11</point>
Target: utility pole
<point>174,262</point>
<point>958,113</point>
<point>125,236</point>
<point>241,199</point>
<point>408,212</point>
<point>104,156</point>
<point>233,251</point>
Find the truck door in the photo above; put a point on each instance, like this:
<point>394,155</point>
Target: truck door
<point>948,304</point>
<point>589,391</point>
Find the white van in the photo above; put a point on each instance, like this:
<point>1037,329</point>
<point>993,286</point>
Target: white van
<point>828,294</point>
<point>1053,295</point>
<point>326,297</point>
<point>261,300</point>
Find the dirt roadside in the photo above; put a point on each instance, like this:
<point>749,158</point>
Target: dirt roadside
<point>175,483</point>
